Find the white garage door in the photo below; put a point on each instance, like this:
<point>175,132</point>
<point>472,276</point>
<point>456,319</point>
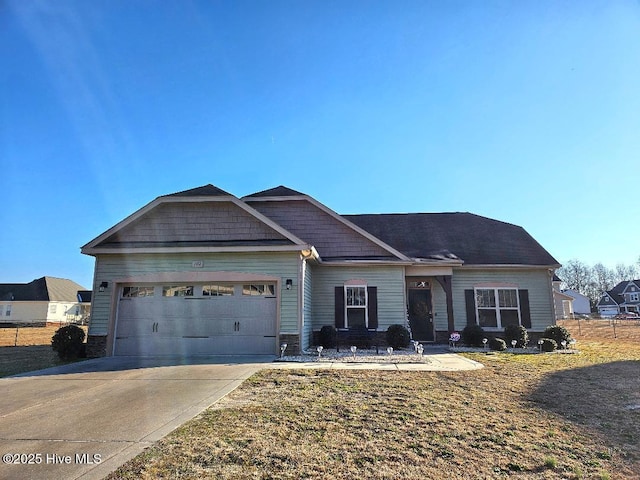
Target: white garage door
<point>184,320</point>
<point>608,311</point>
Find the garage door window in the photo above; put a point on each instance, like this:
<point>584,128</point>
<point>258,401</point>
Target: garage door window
<point>217,290</point>
<point>134,292</point>
<point>259,290</point>
<point>178,291</point>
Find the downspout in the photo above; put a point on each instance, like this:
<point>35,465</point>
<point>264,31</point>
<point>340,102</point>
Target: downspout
<point>553,300</point>
<point>305,255</point>
<point>301,268</point>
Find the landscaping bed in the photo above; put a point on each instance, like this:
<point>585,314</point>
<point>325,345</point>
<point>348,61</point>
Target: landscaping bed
<point>361,356</point>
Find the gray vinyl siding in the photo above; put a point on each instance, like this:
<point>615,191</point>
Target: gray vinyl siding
<point>189,222</point>
<point>307,306</point>
<point>537,282</point>
<point>110,267</point>
<point>388,279</point>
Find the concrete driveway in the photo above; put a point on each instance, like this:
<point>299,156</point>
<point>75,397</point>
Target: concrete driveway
<point>86,419</point>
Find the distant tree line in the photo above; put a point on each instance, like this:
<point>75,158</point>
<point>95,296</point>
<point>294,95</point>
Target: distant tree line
<point>592,281</point>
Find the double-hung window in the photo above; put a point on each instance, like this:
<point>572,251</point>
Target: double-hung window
<point>497,307</point>
<point>356,306</point>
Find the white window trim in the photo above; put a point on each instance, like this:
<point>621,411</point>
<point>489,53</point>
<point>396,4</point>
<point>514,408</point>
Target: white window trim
<point>497,308</point>
<point>365,306</point>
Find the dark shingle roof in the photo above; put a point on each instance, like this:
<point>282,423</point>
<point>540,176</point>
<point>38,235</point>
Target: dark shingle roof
<point>84,296</point>
<point>205,190</point>
<point>34,291</point>
<point>474,239</point>
<point>42,289</point>
<point>279,191</point>
<point>616,292</point>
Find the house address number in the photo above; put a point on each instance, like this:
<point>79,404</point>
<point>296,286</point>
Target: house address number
<point>197,264</point>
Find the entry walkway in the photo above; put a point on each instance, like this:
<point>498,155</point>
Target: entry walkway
<point>437,362</point>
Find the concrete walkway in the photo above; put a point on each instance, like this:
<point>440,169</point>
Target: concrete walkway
<point>440,362</point>
<point>84,420</point>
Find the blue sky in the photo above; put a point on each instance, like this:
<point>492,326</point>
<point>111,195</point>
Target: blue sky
<point>523,111</point>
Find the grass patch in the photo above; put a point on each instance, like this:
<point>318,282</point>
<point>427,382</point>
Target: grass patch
<point>523,416</point>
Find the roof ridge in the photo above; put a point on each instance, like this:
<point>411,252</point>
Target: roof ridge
<point>204,190</point>
<point>279,191</point>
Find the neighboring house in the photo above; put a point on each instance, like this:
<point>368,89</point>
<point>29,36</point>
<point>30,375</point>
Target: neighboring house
<point>84,304</point>
<point>46,300</point>
<point>624,297</point>
<point>205,272</point>
<point>581,303</point>
<point>563,302</point>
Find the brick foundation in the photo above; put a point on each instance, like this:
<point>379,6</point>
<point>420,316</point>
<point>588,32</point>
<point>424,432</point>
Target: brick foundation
<point>293,343</point>
<point>96,346</point>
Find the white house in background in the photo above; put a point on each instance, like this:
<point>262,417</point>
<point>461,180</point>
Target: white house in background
<point>581,304</point>
<point>624,297</point>
<point>46,300</point>
<point>563,303</point>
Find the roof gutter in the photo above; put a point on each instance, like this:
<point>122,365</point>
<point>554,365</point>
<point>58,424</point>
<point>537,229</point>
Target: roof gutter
<point>234,249</point>
<point>508,266</point>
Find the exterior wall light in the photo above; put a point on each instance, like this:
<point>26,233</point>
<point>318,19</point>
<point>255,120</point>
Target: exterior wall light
<point>103,286</point>
<point>289,283</point>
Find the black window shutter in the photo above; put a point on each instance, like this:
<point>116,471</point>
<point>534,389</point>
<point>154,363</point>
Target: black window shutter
<point>525,312</point>
<point>372,307</point>
<point>339,307</point>
<point>470,301</point>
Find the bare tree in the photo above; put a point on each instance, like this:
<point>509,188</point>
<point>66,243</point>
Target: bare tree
<point>624,272</point>
<point>604,278</point>
<point>576,276</point>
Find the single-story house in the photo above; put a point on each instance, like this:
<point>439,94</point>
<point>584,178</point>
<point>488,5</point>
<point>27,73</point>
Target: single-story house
<point>581,303</point>
<point>205,272</point>
<point>623,298</point>
<point>44,301</point>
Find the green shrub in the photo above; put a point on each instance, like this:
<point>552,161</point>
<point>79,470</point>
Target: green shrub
<point>497,344</point>
<point>557,333</point>
<point>69,342</point>
<point>398,336</point>
<point>328,336</point>
<point>517,333</point>
<point>472,335</point>
<point>549,345</point>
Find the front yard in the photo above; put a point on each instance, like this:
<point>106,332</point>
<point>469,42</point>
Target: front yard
<point>523,416</point>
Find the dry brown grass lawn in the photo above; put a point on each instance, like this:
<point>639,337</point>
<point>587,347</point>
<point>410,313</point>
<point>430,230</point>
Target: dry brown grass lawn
<point>523,416</point>
<point>33,350</point>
